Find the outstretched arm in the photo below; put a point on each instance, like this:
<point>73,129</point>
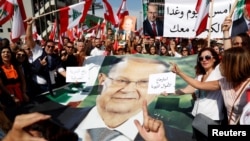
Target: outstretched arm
<point>151,129</point>
<point>210,85</point>
<point>187,90</point>
<point>29,37</point>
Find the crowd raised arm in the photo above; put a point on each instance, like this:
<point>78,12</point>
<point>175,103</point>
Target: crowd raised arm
<point>31,68</point>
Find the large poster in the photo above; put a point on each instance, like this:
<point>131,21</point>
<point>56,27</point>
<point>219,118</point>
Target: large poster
<point>120,82</point>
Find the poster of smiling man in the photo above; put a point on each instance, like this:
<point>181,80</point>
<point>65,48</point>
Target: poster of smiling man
<point>112,94</point>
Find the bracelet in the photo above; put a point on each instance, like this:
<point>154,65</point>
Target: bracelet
<point>228,38</point>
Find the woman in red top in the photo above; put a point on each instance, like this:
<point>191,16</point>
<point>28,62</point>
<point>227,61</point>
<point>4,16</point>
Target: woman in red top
<point>12,80</point>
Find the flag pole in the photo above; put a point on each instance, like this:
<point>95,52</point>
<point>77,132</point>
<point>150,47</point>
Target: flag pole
<point>39,16</point>
<point>233,8</point>
<point>210,21</point>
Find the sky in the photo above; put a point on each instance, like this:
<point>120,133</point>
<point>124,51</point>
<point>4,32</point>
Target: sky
<point>134,7</point>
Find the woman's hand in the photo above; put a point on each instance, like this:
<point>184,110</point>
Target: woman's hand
<point>175,68</point>
<point>227,23</point>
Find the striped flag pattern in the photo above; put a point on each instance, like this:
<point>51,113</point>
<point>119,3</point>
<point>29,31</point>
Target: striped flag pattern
<point>202,8</point>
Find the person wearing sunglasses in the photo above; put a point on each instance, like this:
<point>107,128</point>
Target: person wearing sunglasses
<point>235,69</point>
<point>209,103</point>
<point>118,105</point>
<point>44,62</point>
<point>185,51</point>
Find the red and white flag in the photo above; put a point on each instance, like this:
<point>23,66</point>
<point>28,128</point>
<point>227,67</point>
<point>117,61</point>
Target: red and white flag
<point>122,12</point>
<point>101,30</point>
<point>6,10</point>
<point>74,14</point>
<point>109,14</point>
<point>52,34</point>
<point>202,8</point>
<point>139,32</point>
<point>18,26</point>
<point>35,35</point>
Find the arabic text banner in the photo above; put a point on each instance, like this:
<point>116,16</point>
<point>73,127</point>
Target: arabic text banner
<point>180,18</point>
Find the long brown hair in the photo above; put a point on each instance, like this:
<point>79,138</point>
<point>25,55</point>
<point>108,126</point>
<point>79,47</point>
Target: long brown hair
<point>235,65</point>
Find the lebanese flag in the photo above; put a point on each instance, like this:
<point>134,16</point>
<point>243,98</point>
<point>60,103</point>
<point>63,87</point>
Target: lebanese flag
<point>74,14</point>
<point>248,6</point>
<point>109,14</point>
<point>52,34</point>
<point>70,34</point>
<point>18,26</point>
<point>202,8</point>
<point>101,30</point>
<point>35,35</point>
<point>79,32</point>
<point>89,30</point>
<point>122,12</point>
<point>6,10</point>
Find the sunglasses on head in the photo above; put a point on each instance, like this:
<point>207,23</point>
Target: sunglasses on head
<point>207,57</point>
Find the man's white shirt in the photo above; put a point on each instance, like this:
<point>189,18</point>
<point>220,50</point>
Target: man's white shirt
<point>97,51</point>
<point>93,120</point>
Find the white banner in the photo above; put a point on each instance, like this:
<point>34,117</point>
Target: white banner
<point>180,17</point>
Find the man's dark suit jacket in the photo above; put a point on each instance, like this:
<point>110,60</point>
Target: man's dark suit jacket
<point>70,118</point>
<point>239,26</point>
<point>148,31</point>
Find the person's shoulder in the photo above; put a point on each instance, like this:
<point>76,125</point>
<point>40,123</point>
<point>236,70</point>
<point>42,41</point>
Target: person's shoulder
<point>241,19</point>
<point>159,21</point>
<point>145,21</point>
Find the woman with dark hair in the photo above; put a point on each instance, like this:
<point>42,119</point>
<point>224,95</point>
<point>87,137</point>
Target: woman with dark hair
<point>209,103</point>
<point>12,81</point>
<point>153,50</point>
<point>164,51</point>
<point>185,51</point>
<point>235,69</point>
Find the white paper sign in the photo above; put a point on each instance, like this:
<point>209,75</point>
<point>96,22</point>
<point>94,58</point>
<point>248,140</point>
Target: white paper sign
<point>77,74</point>
<point>180,18</point>
<point>161,82</point>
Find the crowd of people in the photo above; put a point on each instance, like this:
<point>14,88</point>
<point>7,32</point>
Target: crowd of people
<point>29,68</point>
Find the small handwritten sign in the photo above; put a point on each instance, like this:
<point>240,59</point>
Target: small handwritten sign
<point>77,74</point>
<point>161,82</point>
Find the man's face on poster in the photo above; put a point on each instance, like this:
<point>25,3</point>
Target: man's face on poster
<point>128,24</point>
<point>152,13</point>
<point>125,87</point>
